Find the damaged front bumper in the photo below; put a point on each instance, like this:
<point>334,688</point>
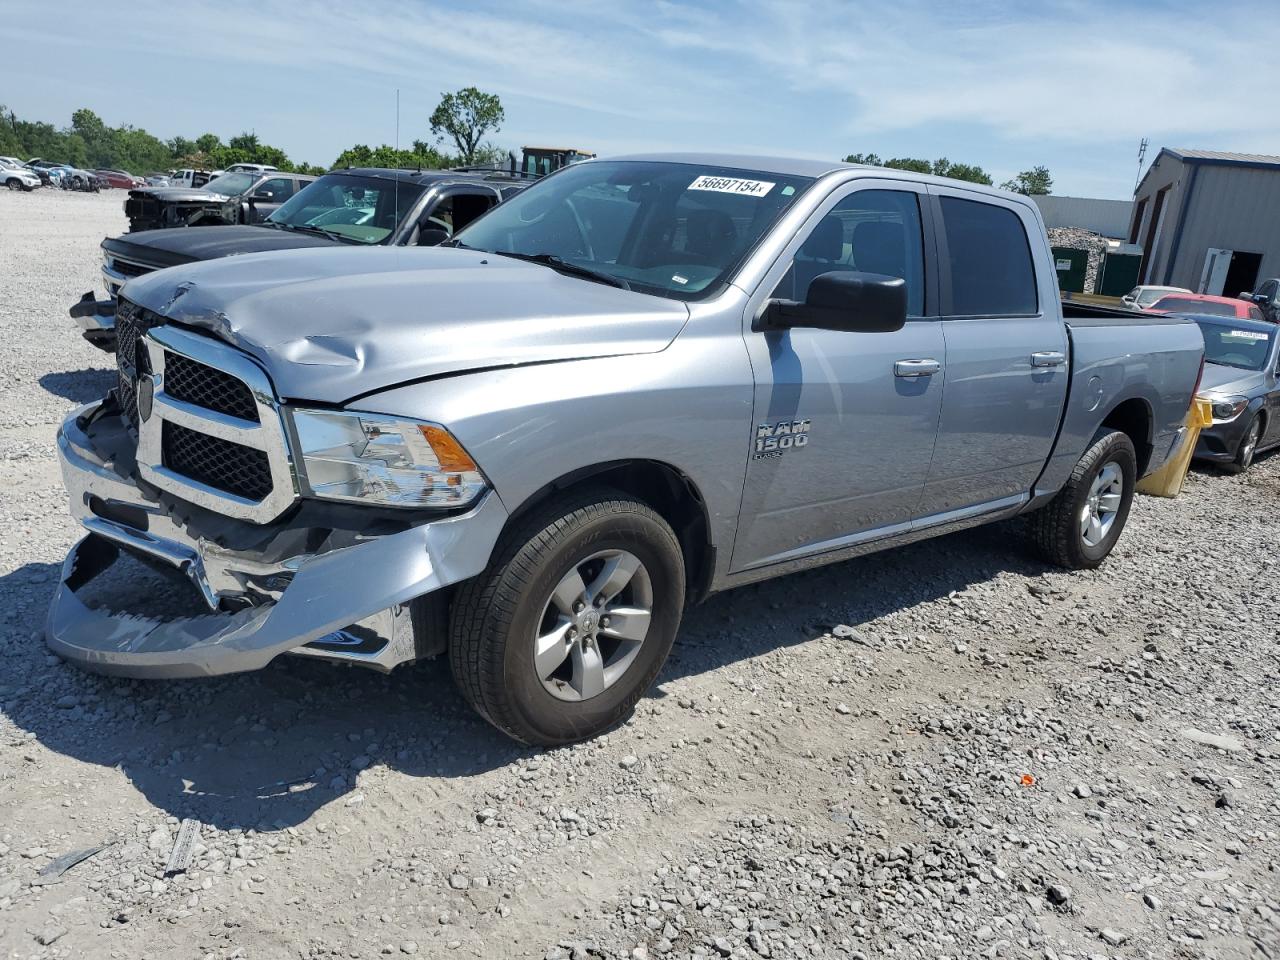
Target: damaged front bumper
<point>97,320</point>
<point>343,598</point>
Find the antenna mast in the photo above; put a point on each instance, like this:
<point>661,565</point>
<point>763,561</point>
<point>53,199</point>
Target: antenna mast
<point>1142,153</point>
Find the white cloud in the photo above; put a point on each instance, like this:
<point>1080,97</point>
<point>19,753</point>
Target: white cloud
<point>991,81</point>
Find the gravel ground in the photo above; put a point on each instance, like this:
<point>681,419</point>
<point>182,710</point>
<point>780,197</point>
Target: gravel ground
<point>944,751</point>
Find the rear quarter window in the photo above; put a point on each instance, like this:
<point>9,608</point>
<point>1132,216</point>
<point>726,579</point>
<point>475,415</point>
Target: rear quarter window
<point>992,273</point>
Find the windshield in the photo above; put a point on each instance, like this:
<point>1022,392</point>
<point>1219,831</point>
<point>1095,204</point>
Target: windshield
<point>1188,305</point>
<point>354,208</point>
<point>231,184</point>
<point>1147,297</point>
<point>1228,345</point>
<point>675,229</point>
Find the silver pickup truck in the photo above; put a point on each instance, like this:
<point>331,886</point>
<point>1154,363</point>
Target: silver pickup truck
<point>640,382</point>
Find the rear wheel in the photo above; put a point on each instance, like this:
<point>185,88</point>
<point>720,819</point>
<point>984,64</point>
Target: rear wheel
<point>569,626</point>
<point>1080,526</point>
<point>1248,446</point>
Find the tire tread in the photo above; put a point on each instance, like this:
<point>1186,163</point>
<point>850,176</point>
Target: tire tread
<point>488,602</point>
<point>1053,527</point>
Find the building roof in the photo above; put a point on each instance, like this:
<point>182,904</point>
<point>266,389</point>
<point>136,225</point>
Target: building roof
<point>1223,156</point>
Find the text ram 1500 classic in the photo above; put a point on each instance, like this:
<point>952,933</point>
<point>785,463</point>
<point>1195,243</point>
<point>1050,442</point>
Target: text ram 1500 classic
<point>638,382</point>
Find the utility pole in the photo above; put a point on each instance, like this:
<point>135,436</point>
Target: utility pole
<point>1142,153</point>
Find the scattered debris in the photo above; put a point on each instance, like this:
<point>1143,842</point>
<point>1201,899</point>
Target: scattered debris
<point>1230,744</point>
<point>180,855</point>
<point>52,871</point>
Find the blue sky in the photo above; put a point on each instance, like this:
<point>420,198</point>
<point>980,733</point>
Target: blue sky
<point>1005,85</point>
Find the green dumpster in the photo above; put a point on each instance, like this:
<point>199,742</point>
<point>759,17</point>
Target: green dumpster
<point>1071,265</point>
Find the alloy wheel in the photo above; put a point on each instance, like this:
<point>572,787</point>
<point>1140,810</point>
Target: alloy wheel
<point>1099,511</point>
<point>593,625</point>
<point>1250,442</point>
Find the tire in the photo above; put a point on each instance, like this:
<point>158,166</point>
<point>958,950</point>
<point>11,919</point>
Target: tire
<point>13,184</point>
<point>570,693</point>
<point>1062,529</point>
<point>1248,446</point>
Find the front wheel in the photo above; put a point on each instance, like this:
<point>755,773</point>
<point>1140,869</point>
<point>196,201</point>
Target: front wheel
<point>561,636</point>
<point>14,184</point>
<point>1248,446</point>
<point>1080,526</point>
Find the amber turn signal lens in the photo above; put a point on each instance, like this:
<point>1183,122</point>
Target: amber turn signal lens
<point>447,450</point>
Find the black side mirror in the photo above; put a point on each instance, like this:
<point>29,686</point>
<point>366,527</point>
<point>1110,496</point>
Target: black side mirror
<point>265,196</point>
<point>842,300</point>
<point>432,237</point>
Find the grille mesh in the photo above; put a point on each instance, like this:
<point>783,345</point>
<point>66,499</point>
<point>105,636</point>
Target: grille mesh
<point>204,386</point>
<point>129,269</point>
<point>227,466</point>
<point>128,355</point>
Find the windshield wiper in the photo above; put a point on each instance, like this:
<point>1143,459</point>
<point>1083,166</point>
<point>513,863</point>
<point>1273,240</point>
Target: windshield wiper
<point>561,265</point>
<point>308,228</point>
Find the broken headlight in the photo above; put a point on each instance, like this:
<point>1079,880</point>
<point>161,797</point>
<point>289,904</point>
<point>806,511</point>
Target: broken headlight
<point>368,458</point>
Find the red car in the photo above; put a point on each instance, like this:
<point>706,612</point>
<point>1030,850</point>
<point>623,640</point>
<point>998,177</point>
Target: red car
<point>1206,306</point>
<point>118,178</point>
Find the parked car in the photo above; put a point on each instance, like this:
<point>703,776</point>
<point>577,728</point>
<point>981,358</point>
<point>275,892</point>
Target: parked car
<point>251,168</point>
<point>1242,381</point>
<point>192,179</point>
<point>1142,297</point>
<point>50,173</point>
<point>17,177</point>
<point>156,180</point>
<point>230,198</point>
<point>1201,304</point>
<point>637,382</point>
<point>120,179</point>
<point>1266,297</point>
<point>360,207</point>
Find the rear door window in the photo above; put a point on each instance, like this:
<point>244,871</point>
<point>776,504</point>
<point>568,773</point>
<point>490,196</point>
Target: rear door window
<point>992,274</point>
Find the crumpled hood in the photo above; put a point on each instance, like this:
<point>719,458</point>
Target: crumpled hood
<point>174,245</point>
<point>330,325</point>
<point>1221,379</point>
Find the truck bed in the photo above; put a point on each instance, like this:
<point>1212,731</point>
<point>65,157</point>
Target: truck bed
<point>1078,314</point>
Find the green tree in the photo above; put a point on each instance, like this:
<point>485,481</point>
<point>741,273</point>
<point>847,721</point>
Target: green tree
<point>208,142</point>
<point>180,146</point>
<point>465,117</point>
<point>1033,182</point>
<point>422,155</point>
<point>942,167</point>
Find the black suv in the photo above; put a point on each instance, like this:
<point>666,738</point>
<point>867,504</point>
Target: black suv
<point>363,207</point>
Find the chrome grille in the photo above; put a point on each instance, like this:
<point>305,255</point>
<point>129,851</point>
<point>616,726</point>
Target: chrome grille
<point>222,464</point>
<point>131,359</point>
<point>213,435</point>
<point>204,386</point>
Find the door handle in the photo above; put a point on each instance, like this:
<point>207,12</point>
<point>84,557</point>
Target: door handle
<point>1048,358</point>
<point>916,368</point>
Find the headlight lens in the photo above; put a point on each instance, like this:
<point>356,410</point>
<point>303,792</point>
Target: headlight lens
<point>368,458</point>
<point>1228,408</point>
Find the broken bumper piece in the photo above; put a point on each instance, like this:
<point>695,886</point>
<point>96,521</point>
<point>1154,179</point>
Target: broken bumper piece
<point>239,611</point>
<point>97,320</point>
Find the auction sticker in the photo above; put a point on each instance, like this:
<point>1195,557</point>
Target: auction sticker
<point>1244,335</point>
<point>749,188</point>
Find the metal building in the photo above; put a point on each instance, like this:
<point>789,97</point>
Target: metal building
<point>1208,220</point>
<point>1110,218</point>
